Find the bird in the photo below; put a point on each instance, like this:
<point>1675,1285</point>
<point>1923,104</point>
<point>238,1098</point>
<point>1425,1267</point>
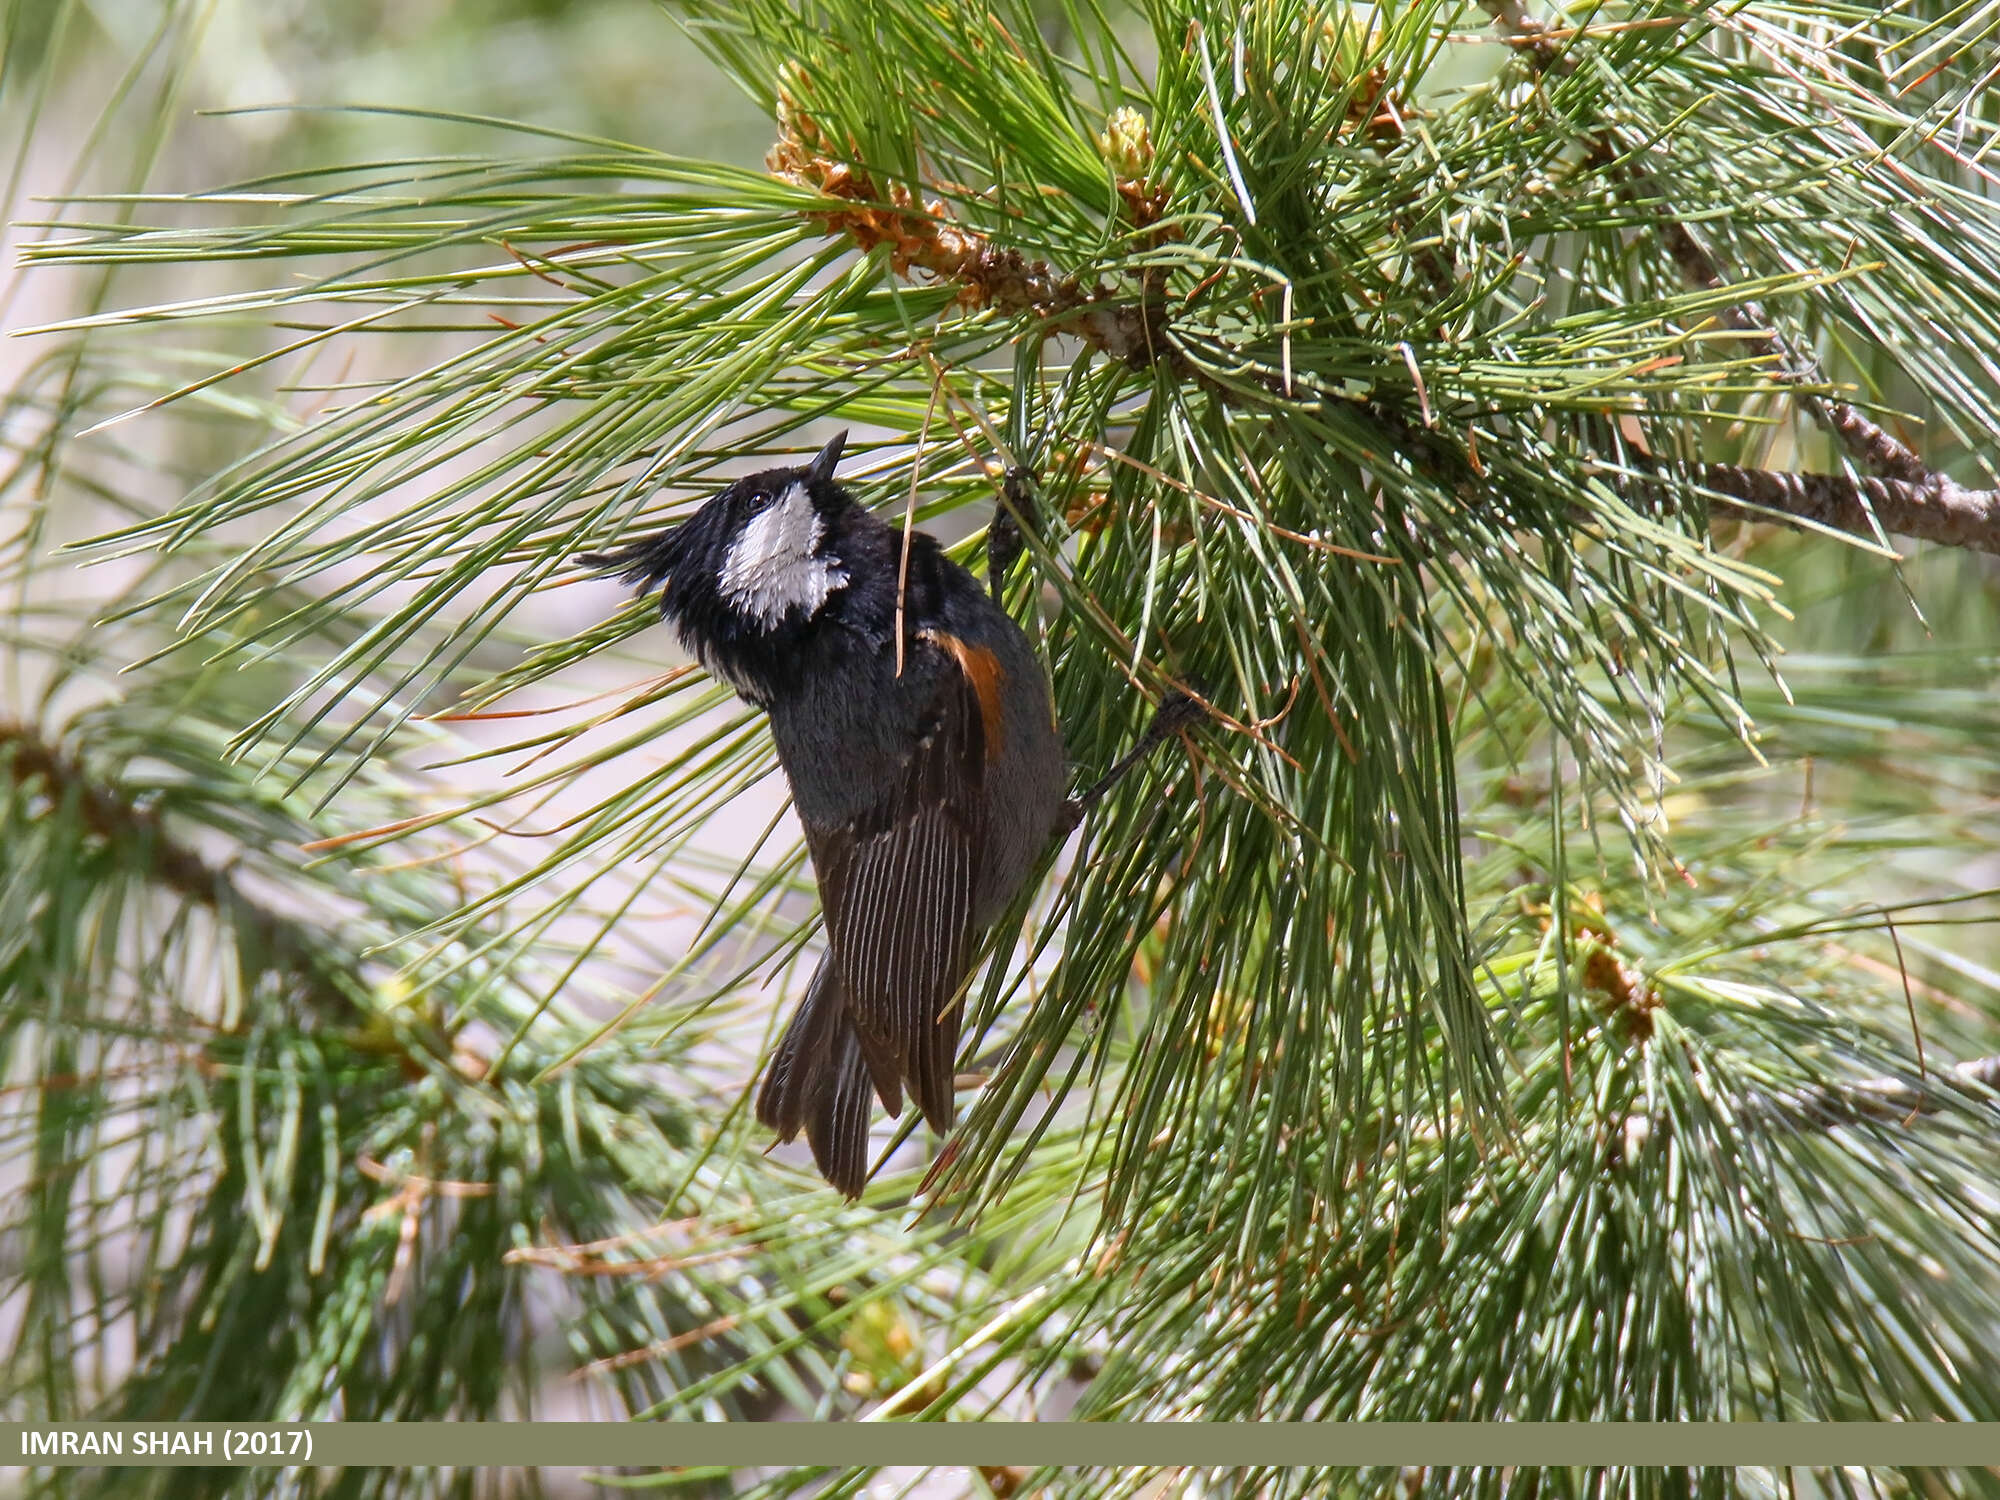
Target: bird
<point>916,727</point>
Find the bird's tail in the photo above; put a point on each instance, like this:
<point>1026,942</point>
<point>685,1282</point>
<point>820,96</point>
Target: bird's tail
<point>819,1081</point>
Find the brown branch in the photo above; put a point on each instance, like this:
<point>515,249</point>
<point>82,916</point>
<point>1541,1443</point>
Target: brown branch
<point>1909,499</point>
<point>1830,1106</point>
<point>921,235</point>
<point>1527,35</point>
<point>25,757</point>
<point>107,815</point>
<point>1879,1101</point>
<point>1864,439</point>
<point>1938,511</point>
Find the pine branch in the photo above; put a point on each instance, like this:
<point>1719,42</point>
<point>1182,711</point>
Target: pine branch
<point>1528,35</point>
<point>919,234</point>
<point>278,940</point>
<point>1863,438</point>
<point>1879,1100</point>
<point>1280,973</point>
<point>1910,499</point>
<point>1832,1106</point>
<point>1936,510</point>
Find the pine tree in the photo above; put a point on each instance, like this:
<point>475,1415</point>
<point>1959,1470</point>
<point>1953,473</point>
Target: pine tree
<point>1551,983</point>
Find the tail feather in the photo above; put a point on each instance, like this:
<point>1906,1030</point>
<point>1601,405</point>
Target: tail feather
<point>785,1095</point>
<point>837,1129</point>
<point>821,1080</point>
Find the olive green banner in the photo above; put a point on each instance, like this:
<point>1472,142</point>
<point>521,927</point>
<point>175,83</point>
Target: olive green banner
<point>627,1445</point>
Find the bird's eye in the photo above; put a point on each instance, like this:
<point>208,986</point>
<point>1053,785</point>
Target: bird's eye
<point>759,501</point>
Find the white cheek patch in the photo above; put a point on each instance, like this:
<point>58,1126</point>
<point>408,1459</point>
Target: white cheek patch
<point>775,566</point>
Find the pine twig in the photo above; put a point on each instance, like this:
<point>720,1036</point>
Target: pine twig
<point>1832,1106</point>
<point>1863,438</point>
<point>1906,498</point>
<point>1938,511</point>
<point>1909,498</point>
<point>115,818</point>
<point>1866,440</point>
<point>921,235</point>
<point>1876,1100</point>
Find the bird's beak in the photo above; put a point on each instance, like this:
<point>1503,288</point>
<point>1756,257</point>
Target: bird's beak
<point>822,466</point>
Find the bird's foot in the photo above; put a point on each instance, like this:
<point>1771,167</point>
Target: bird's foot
<point>1177,712</point>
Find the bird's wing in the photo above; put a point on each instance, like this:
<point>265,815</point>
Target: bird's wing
<point>897,884</point>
